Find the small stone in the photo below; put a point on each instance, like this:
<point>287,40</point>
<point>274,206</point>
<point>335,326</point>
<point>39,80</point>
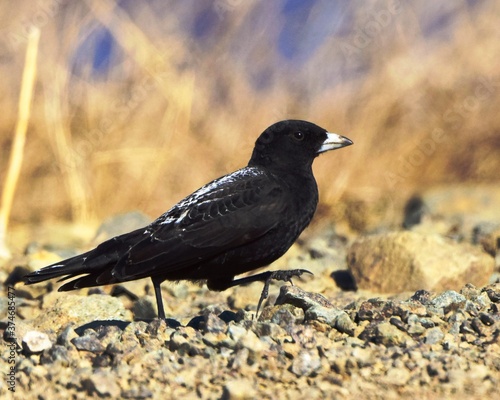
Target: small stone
<point>486,319</point>
<point>398,323</point>
<point>448,301</point>
<point>397,376</point>
<point>65,337</point>
<point>187,341</point>
<point>252,342</point>
<point>269,329</point>
<point>389,335</point>
<point>159,329</point>
<point>469,291</point>
<point>236,332</point>
<point>306,363</point>
<point>344,324</point>
<point>493,292</point>
<point>427,323</point>
<point>407,309</point>
<point>466,328</point>
<point>88,343</point>
<point>334,317</point>
<point>478,326</point>
<point>433,336</point>
<point>364,357</point>
<point>240,359</point>
<point>214,339</point>
<point>421,296</point>
<point>56,353</point>
<point>109,334</point>
<point>450,342</point>
<point>284,316</point>
<point>36,342</point>
<point>239,389</point>
<point>416,329</point>
<point>103,383</point>
<point>213,324</point>
<point>370,310</point>
<point>300,298</point>
<point>141,393</point>
<point>435,369</point>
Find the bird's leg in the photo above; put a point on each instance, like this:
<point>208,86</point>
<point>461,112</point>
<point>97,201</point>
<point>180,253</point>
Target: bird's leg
<point>280,275</point>
<point>267,277</point>
<point>159,300</point>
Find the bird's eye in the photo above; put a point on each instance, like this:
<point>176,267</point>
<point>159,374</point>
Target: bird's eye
<point>298,136</point>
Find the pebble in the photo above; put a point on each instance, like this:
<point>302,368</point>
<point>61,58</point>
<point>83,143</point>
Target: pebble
<point>388,335</point>
<point>397,376</point>
<point>306,363</point>
<point>300,298</point>
<point>334,317</point>
<point>36,342</point>
<point>213,324</point>
<point>236,332</point>
<point>103,383</point>
<point>88,343</point>
<point>316,341</point>
<point>433,336</point>
<point>238,389</point>
<point>448,301</point>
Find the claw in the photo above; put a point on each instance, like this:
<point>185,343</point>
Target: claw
<point>280,275</point>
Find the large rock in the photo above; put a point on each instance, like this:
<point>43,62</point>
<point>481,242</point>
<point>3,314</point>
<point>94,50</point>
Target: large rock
<point>468,205</point>
<point>80,310</point>
<point>408,261</point>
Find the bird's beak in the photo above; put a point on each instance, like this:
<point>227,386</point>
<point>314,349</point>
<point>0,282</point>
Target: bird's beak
<point>334,141</point>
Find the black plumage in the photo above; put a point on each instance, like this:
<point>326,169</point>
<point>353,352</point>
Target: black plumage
<point>237,223</point>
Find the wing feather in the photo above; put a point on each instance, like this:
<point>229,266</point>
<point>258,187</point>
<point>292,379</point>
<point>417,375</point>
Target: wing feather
<point>227,213</point>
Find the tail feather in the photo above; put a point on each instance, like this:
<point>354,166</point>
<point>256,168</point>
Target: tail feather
<point>89,280</point>
<point>71,267</point>
<point>96,271</point>
<point>96,265</point>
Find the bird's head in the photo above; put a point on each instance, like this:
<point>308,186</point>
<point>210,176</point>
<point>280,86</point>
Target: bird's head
<point>294,144</point>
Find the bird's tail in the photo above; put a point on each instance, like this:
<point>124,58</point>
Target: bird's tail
<point>70,268</point>
<point>93,268</point>
<point>65,268</point>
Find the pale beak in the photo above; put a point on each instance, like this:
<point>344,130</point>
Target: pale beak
<point>334,141</point>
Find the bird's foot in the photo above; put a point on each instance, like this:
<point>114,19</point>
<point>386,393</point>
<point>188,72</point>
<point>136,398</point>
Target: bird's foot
<point>279,275</point>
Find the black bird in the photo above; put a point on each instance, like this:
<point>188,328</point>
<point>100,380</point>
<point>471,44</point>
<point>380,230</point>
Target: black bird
<point>234,224</point>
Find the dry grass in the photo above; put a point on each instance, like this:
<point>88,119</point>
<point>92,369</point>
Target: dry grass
<point>174,111</point>
<point>17,153</point>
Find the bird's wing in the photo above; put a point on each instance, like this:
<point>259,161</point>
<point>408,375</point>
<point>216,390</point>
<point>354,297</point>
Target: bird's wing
<point>227,213</point>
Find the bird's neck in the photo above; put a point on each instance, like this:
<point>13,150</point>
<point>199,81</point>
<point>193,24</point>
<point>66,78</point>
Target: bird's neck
<point>288,165</point>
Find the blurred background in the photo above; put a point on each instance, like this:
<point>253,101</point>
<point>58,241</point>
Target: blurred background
<point>137,104</point>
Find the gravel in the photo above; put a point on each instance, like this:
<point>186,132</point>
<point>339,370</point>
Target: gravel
<point>439,344</point>
<point>311,339</point>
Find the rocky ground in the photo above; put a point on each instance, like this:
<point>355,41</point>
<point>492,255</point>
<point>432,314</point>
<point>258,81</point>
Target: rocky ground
<point>407,312</point>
